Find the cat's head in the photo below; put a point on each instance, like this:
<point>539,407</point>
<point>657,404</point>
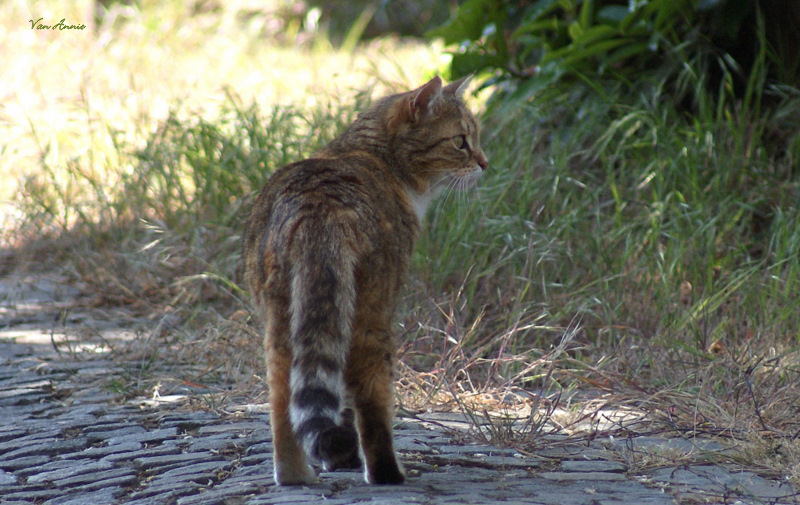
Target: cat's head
<point>435,138</point>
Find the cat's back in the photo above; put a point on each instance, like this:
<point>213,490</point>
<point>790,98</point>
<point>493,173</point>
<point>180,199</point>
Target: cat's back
<point>356,185</point>
<point>352,197</point>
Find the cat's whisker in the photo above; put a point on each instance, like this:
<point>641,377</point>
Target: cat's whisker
<point>445,194</point>
<point>453,186</point>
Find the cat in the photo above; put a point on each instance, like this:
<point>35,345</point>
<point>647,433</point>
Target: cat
<point>326,249</point>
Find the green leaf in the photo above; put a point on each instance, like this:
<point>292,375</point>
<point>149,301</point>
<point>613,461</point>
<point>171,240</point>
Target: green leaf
<point>595,49</point>
<point>468,22</point>
<point>631,19</point>
<point>627,51</point>
<point>596,33</point>
<point>551,24</point>
<point>575,30</point>
<point>586,14</point>
<point>538,10</point>
<point>612,13</point>
<point>469,63</point>
<point>572,55</point>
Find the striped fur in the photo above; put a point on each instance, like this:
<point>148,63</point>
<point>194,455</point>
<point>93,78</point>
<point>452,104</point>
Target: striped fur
<point>326,250</point>
<point>322,307</point>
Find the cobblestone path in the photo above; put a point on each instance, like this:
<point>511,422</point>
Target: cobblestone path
<point>66,439</point>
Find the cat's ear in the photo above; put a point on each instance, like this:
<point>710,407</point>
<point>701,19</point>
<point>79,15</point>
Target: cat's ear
<point>423,98</point>
<point>457,88</point>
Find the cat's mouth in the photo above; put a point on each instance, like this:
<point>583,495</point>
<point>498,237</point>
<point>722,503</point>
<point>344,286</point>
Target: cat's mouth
<point>462,179</point>
<point>468,177</point>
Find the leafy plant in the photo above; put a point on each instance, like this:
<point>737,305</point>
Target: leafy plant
<point>549,38</point>
<point>541,42</point>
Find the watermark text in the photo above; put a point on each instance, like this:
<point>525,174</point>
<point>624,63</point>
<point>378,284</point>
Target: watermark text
<point>61,25</point>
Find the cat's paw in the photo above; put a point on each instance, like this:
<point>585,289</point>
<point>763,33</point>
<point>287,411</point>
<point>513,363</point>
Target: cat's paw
<point>299,475</point>
<point>337,447</point>
<point>385,471</point>
<point>351,463</point>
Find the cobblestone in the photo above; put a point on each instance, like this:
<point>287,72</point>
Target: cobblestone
<point>172,460</point>
<point>67,469</point>
<point>108,450</point>
<point>106,495</point>
<point>20,464</point>
<point>144,437</point>
<point>143,453</point>
<point>582,476</point>
<point>7,479</point>
<point>592,466</point>
<point>65,440</point>
<point>713,480</point>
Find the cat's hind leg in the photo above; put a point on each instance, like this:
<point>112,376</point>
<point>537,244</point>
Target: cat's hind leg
<point>291,464</point>
<point>371,380</point>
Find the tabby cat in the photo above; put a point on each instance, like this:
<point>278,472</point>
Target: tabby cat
<point>326,250</point>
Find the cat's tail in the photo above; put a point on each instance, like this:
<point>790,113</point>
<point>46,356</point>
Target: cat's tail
<point>323,296</point>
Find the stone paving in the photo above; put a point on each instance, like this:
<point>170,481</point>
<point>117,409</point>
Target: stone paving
<point>66,438</point>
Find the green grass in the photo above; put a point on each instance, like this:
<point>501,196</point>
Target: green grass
<point>670,239</point>
<point>619,245</point>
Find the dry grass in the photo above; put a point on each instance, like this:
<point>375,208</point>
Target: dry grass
<point>85,93</point>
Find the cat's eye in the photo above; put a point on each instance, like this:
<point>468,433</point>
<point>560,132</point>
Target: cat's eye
<point>460,142</point>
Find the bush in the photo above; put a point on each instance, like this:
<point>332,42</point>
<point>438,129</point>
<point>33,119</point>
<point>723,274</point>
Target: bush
<point>542,42</point>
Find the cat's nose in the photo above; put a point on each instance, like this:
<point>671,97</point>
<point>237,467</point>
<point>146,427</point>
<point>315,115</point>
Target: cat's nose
<point>483,161</point>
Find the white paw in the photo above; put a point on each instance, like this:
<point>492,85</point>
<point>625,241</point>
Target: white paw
<point>289,476</point>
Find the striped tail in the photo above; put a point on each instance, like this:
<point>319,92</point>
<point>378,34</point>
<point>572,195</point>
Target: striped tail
<point>322,309</point>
